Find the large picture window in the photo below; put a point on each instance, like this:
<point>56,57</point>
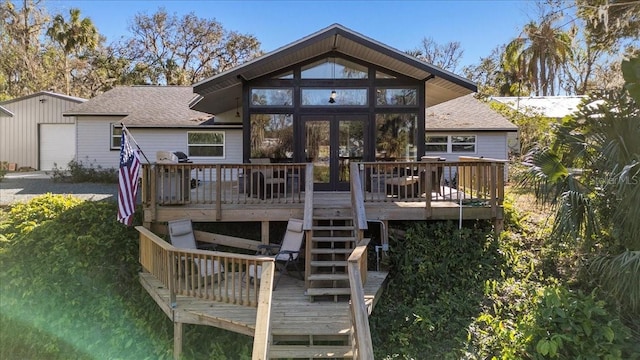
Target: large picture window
<point>272,136</point>
<point>116,136</point>
<point>271,97</point>
<point>396,137</point>
<point>453,144</point>
<point>206,143</point>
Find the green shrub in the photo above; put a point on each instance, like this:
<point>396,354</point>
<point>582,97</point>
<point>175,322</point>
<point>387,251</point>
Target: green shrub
<point>437,282</point>
<point>69,284</point>
<point>77,172</point>
<point>572,325</point>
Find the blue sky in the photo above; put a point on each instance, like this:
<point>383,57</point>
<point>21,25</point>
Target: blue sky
<point>479,25</point>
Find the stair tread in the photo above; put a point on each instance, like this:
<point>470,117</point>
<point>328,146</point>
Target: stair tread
<point>310,351</point>
<point>333,227</point>
<point>328,263</point>
<point>331,251</point>
<point>327,291</point>
<point>333,238</point>
<point>328,277</point>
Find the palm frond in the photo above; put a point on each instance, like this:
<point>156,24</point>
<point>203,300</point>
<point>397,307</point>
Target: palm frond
<point>620,275</point>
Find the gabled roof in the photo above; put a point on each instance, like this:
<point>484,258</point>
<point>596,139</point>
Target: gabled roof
<point>466,114</point>
<point>5,112</point>
<point>44,93</point>
<point>218,93</point>
<point>145,106</point>
<point>548,106</point>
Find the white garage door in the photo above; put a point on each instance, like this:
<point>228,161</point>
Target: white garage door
<point>57,145</point>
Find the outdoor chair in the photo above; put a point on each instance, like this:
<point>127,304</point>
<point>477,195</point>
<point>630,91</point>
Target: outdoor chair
<point>265,182</point>
<point>182,237</point>
<point>288,252</point>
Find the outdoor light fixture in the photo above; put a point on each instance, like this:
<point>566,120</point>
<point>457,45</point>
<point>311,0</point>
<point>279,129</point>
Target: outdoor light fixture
<point>332,97</point>
<point>237,109</point>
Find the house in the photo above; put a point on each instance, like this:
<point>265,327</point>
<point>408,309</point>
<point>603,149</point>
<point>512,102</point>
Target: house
<point>159,119</point>
<point>33,132</point>
<point>339,121</point>
<point>466,126</point>
<point>331,98</point>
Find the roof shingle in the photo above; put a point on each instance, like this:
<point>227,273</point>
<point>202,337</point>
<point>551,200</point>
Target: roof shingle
<point>149,106</point>
<point>466,113</point>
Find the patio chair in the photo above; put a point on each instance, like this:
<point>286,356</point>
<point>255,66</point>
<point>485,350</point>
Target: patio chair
<point>288,252</point>
<point>265,182</point>
<point>182,237</point>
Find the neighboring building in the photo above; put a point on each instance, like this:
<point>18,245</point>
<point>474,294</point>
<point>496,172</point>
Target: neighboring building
<point>467,127</point>
<point>555,107</point>
<point>158,118</point>
<point>33,132</point>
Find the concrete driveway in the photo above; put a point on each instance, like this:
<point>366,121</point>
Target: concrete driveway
<point>23,186</point>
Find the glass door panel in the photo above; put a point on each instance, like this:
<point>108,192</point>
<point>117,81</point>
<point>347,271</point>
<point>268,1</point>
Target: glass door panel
<point>318,150</point>
<point>331,144</point>
<point>351,146</point>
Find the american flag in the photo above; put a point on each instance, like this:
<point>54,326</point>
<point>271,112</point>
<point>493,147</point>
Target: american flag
<point>127,180</point>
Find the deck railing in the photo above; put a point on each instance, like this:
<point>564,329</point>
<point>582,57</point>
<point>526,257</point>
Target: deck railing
<point>214,275</point>
<point>357,201</point>
<point>262,337</point>
<point>216,184</point>
<point>472,181</point>
<point>360,331</point>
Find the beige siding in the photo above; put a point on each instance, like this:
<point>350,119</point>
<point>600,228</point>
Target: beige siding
<point>94,135</point>
<point>19,137</point>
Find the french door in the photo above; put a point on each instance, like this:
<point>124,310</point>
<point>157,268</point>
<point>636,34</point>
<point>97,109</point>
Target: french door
<point>331,143</point>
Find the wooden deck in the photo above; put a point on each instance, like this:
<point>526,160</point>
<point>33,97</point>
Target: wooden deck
<point>223,193</point>
<point>292,311</point>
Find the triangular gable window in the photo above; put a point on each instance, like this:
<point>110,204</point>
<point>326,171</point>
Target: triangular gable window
<point>334,68</point>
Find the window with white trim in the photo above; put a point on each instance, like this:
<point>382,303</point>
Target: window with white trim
<point>205,143</point>
<point>453,144</point>
<point>116,136</point>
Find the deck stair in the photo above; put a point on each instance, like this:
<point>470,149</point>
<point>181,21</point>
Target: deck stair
<point>332,241</point>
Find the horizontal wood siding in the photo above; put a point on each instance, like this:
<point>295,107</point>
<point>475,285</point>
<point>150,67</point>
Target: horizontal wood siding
<point>94,136</point>
<point>19,138</point>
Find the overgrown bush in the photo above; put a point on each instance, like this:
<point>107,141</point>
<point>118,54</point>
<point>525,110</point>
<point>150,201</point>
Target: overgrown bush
<point>437,282</point>
<point>70,289</point>
<point>77,172</point>
<point>572,325</point>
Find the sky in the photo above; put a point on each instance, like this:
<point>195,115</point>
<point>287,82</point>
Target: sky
<point>479,25</point>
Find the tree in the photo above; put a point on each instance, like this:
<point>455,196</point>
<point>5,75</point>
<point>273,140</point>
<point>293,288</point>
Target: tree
<point>538,55</point>
<point>591,174</point>
<point>176,50</point>
<point>23,55</point>
<point>74,37</point>
<point>446,56</point>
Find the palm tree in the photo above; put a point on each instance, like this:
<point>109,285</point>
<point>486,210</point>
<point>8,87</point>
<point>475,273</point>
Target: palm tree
<point>537,57</point>
<point>591,174</point>
<point>73,37</point>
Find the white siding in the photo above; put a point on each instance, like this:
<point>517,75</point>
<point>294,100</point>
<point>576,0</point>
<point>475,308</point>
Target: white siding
<point>19,138</point>
<point>94,136</point>
<point>488,144</point>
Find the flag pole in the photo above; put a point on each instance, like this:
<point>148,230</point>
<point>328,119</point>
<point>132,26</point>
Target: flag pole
<point>124,128</point>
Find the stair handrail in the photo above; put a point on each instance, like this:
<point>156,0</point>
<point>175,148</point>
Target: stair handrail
<point>361,332</point>
<point>357,200</point>
<point>262,336</point>
<point>308,198</point>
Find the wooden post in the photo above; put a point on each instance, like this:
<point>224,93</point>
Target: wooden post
<point>178,333</point>
<point>218,192</point>
<point>265,232</point>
